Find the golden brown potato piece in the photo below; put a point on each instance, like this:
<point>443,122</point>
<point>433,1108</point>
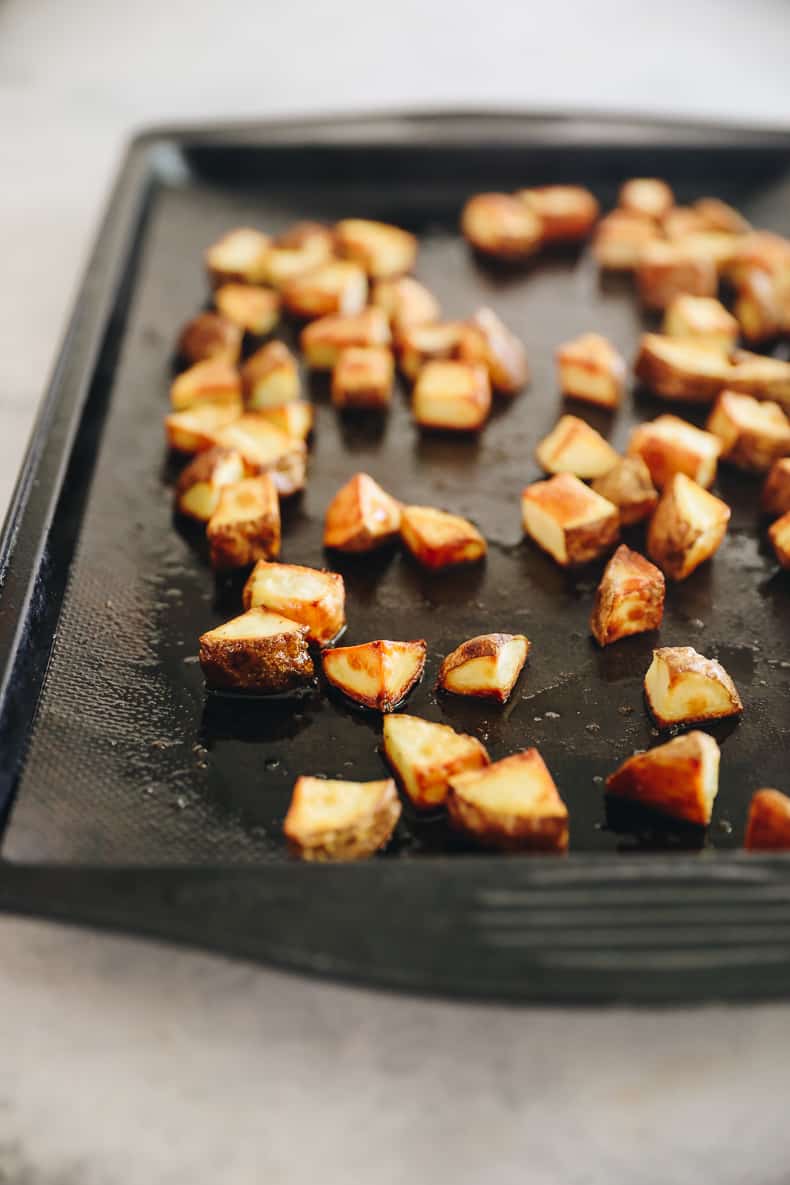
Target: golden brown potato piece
<point>333,820</point>
<point>701,320</point>
<point>382,250</point>
<point>758,375</point>
<point>679,778</point>
<point>339,287</point>
<point>200,484</point>
<point>753,435</point>
<point>716,248</point>
<point>590,369</point>
<point>567,212</point>
<point>684,687</point>
<point>378,674</point>
<point>715,214</point>
<point>437,539</point>
<point>489,342</point>
<point>270,377</point>
<point>210,335</point>
<point>569,520</point>
<point>776,490</point>
<point>324,340</point>
<point>779,534</point>
<point>313,597</point>
<point>574,447</point>
<point>406,302</point>
<point>194,430</point>
<point>301,249</point>
<point>245,527</point>
<point>646,196</point>
<point>486,666</point>
<point>759,307</point>
<point>238,257</point>
<point>629,599</point>
<point>669,269</point>
<point>361,516</point>
<point>762,250</point>
<point>669,445</point>
<point>768,824</point>
<point>502,226</point>
<point>363,377</point>
<point>452,396</point>
<point>630,488</point>
<point>212,381</point>
<point>425,756</point>
<point>294,419</point>
<point>681,370</point>
<point>687,527</point>
<point>257,651</point>
<point>681,221</point>
<point>621,237</point>
<point>512,804</point>
<point>254,310</point>
<point>266,449</point>
<point>423,343</point>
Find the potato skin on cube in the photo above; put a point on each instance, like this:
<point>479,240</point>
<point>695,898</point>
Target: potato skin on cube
<point>438,539</point>
<point>381,249</point>
<point>759,307</point>
<point>311,596</point>
<point>591,370</point>
<point>775,499</point>
<point>210,335</point>
<point>452,396</point>
<point>669,445</point>
<point>270,377</point>
<point>361,516</point>
<point>679,778</point>
<point>324,340</point>
<point>338,287</point>
<point>258,651</point>
<point>667,270</point>
<point>630,598</point>
<point>487,666</point>
<point>334,820</point>
<point>378,675</point>
<point>569,520</point>
<point>567,212</point>
<point>501,226</point>
<point>245,526</point>
<point>753,434</point>
<point>629,486</point>
<point>574,447</point>
<point>425,756</point>
<point>212,381</point>
<point>195,429</point>
<point>768,823</point>
<point>620,238</point>
<point>684,687</point>
<point>254,310</point>
<point>420,344</point>
<point>239,256</point>
<point>488,342</point>
<point>779,535</point>
<point>687,527</point>
<point>512,804</point>
<point>266,449</point>
<point>302,248</point>
<point>682,370</point>
<point>406,302</point>
<point>200,485</point>
<point>648,197</point>
<point>362,378</point>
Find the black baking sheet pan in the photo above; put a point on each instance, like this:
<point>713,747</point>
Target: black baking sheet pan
<point>132,799</point>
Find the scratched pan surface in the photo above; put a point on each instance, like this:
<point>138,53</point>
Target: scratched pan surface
<point>129,762</point>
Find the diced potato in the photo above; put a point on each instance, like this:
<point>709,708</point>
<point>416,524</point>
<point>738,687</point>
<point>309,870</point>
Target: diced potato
<point>301,249</point>
<point>569,520</point>
<point>238,257</point>
<point>687,527</point>
<point>336,287</point>
<point>679,778</point>
<point>195,429</point>
<point>381,249</point>
<point>621,237</point>
<point>761,376</point>
<point>324,340</point>
<point>768,824</point>
<point>715,247</point>
<point>670,269</point>
<point>270,376</point>
<point>454,396</point>
<point>753,434</point>
<point>210,335</point>
<point>361,516</point>
<point>715,214</point>
<point>257,651</point>
<point>363,377</point>
<point>779,534</point>
<point>423,343</point>
<point>200,484</point>
<point>376,674</point>
<point>669,445</point>
<point>684,687</point>
<point>776,490</point>
<point>681,370</point>
<point>266,449</point>
<point>758,306</point>
<point>681,221</point>
<point>702,320</point>
<point>254,310</point>
<point>646,196</point>
<point>763,250</point>
<point>574,447</point>
<point>425,756</point>
<point>437,539</point>
<point>486,666</point>
<point>500,225</point>
<point>295,419</point>
<point>629,599</point>
<point>333,820</point>
<point>212,381</point>
<point>313,597</point>
<point>245,527</point>
<point>567,212</point>
<point>590,369</point>
<point>490,343</point>
<point>630,488</point>
<point>512,804</point>
<point>406,302</point>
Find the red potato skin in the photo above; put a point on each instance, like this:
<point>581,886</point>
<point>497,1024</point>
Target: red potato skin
<point>768,824</point>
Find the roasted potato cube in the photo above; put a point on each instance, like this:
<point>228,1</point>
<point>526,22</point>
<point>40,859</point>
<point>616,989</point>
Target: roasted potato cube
<point>486,666</point>
<point>361,516</point>
<point>681,221</point>
<point>425,756</point>
<point>715,214</point>
<point>270,377</point>
<point>339,287</point>
<point>500,225</point>
<point>762,250</point>
<point>590,369</point>
<point>490,343</point>
<point>301,249</point>
<point>425,343</point>
<point>646,196</point>
<point>324,340</point>
<point>363,377</point>
<point>512,804</point>
<point>376,674</point>
<point>195,429</point>
<point>257,651</point>
<point>768,824</point>
<point>212,381</point>
<point>200,484</point>
<point>332,820</point>
<point>779,534</point>
<point>681,370</point>
<point>753,435</point>
<point>629,599</point>
<point>266,449</point>
<point>254,310</point>
<point>758,305</point>
<point>687,527</point>
<point>245,527</point>
<point>679,778</point>
<point>758,375</point>
<point>313,597</point>
<point>437,539</point>
<point>669,445</point>
<point>776,490</point>
<point>621,237</point>
<point>569,520</point>
<point>716,248</point>
<point>382,250</point>
<point>453,396</point>
<point>702,320</point>
<point>294,419</point>
<point>630,488</point>
<point>406,302</point>
<point>210,335</point>
<point>567,212</point>
<point>684,687</point>
<point>574,447</point>
<point>238,257</point>
<point>669,269</point>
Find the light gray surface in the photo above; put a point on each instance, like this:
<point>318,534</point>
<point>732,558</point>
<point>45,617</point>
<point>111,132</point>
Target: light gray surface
<point>125,1062</point>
